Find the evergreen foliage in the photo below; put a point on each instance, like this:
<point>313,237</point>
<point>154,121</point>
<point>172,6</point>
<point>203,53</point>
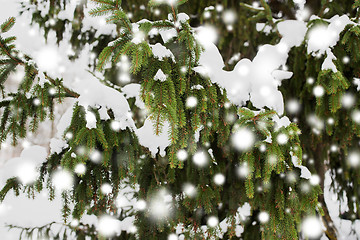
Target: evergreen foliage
<point>271,186</point>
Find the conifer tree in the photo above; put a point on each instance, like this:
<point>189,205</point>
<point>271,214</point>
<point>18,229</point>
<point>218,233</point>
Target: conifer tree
<point>199,156</point>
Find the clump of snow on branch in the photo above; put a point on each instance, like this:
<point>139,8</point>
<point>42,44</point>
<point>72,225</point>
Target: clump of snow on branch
<point>160,76</point>
<point>324,37</point>
<point>256,80</point>
<point>90,89</point>
<point>109,226</point>
<point>149,139</point>
<point>132,90</point>
<point>305,173</point>
<point>244,83</point>
<point>161,52</point>
<point>221,226</point>
<point>138,35</point>
<point>25,167</point>
<point>48,60</point>
<point>88,22</point>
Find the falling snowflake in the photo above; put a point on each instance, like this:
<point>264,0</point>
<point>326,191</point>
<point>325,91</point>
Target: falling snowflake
<point>243,139</point>
<point>200,159</point>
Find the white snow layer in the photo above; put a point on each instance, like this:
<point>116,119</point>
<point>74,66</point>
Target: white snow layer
<point>324,37</point>
<point>26,212</point>
<point>89,22</point>
<point>25,167</point>
<point>256,80</point>
<point>356,81</point>
<point>93,93</point>
<point>262,91</point>
<point>281,122</point>
<point>132,90</point>
<point>160,75</point>
<point>161,52</point>
<point>57,144</point>
<point>167,34</point>
<point>347,229</point>
<point>221,227</point>
<point>149,139</point>
<point>305,172</point>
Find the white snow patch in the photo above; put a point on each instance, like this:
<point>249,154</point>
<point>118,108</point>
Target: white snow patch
<point>323,37</point>
<point>328,62</point>
<point>57,145</point>
<point>25,167</point>
<point>161,52</point>
<point>160,75</point>
<point>305,172</point>
<point>90,119</point>
<point>96,94</point>
<point>132,90</point>
<point>167,34</point>
<point>153,142</point>
<point>281,122</point>
<point>256,80</point>
<point>357,83</point>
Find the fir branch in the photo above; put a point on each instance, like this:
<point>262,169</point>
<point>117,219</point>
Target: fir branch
<point>67,90</point>
<point>11,183</point>
<point>323,8</point>
<point>7,25</point>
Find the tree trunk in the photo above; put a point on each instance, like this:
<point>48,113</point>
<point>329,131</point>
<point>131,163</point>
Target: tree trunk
<point>331,231</point>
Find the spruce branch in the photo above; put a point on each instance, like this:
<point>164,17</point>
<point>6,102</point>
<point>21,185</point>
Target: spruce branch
<point>7,25</point>
<point>324,4</point>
